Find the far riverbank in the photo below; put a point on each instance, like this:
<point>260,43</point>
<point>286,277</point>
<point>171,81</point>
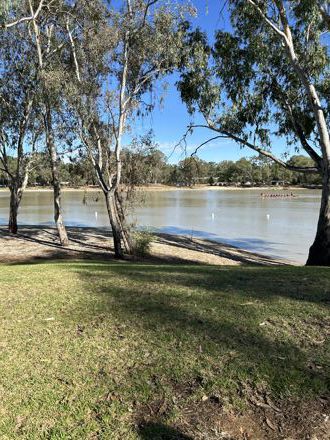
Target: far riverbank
<point>171,188</point>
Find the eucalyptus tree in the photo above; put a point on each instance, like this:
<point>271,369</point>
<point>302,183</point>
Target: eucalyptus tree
<point>19,122</point>
<point>44,22</point>
<point>268,76</point>
<point>47,27</point>
<point>117,63</point>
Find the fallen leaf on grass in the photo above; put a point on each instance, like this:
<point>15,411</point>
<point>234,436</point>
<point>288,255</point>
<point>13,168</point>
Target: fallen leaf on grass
<point>318,342</point>
<point>270,424</point>
<point>163,407</point>
<point>272,405</point>
<point>313,366</point>
<point>268,405</point>
<point>20,421</point>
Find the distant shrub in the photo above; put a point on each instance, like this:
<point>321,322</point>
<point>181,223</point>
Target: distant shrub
<point>142,243</point>
<point>211,181</point>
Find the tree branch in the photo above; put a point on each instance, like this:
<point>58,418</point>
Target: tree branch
<point>325,15</point>
<point>73,47</point>
<point>206,142</point>
<point>267,19</point>
<point>33,16</point>
<point>259,150</point>
<point>299,131</point>
<point>148,6</point>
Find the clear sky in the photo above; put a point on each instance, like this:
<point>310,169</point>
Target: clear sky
<point>169,121</point>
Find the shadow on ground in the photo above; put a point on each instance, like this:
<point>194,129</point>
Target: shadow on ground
<point>224,307</point>
<point>264,283</point>
<point>33,244</point>
<point>158,431</point>
<point>245,326</point>
<point>220,249</point>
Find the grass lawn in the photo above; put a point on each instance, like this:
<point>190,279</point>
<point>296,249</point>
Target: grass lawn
<point>92,350</point>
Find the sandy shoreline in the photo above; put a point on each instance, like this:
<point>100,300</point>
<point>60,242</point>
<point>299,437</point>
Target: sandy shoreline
<point>33,243</point>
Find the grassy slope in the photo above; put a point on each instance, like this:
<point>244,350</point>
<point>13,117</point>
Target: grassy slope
<point>87,350</point>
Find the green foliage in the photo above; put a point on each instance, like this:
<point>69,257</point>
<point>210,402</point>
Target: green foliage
<point>7,8</point>
<point>142,243</point>
<point>142,162</point>
<point>211,181</point>
<point>245,85</point>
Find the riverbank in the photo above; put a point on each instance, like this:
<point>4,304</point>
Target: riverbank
<point>108,350</point>
<point>35,243</point>
<point>223,188</point>
<point>160,187</point>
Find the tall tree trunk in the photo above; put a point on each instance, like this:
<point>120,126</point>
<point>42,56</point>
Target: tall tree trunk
<point>115,223</point>
<point>13,209</point>
<point>126,235</point>
<point>63,236</point>
<point>319,253</point>
<point>17,187</point>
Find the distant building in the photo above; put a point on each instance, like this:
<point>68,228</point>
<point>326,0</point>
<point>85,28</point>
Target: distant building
<point>277,182</point>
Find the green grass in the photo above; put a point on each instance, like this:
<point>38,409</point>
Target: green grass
<point>88,350</point>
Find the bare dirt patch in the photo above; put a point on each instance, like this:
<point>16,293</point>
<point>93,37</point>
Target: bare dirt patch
<point>209,419</point>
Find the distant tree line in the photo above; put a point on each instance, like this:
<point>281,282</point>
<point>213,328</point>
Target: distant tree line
<point>150,166</point>
<point>255,171</point>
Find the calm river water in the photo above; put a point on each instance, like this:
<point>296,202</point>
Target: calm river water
<point>279,227</point>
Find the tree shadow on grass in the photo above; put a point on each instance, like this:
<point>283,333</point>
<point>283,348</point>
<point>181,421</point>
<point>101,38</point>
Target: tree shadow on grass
<point>158,431</point>
<point>203,339</point>
<point>212,323</point>
<point>34,244</point>
<point>49,236</point>
<point>262,283</point>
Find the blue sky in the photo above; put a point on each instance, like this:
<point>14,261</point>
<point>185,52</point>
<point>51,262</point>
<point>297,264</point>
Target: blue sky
<point>170,120</point>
